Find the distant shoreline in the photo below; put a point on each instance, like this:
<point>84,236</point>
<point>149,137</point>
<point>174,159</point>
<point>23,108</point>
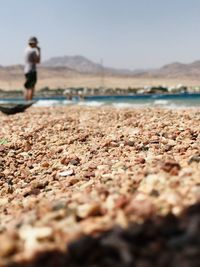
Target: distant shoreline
<point>83,92</point>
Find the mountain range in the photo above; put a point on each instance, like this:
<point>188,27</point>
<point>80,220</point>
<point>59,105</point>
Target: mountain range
<point>84,65</point>
<point>79,71</point>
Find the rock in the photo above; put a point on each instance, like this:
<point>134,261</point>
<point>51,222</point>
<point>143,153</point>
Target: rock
<point>2,175</point>
<point>129,143</point>
<point>140,160</point>
<point>121,202</point>
<point>75,161</point>
<point>86,210</point>
<point>32,236</point>
<point>66,173</point>
<point>89,174</point>
<point>195,158</point>
<point>27,146</point>
<point>35,191</point>
<point>8,245</point>
<point>45,164</point>
<point>141,208</point>
<point>172,167</point>
<point>65,161</point>
<point>2,148</point>
<point>3,201</point>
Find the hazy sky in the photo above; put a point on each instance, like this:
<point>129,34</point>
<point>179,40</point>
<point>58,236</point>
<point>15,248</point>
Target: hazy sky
<point>124,33</point>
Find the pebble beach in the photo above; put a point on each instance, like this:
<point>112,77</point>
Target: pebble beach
<point>74,172</point>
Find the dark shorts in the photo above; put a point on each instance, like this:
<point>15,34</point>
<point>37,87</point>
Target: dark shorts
<point>31,79</point>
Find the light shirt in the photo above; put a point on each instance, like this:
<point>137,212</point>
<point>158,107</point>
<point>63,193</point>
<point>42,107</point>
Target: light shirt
<point>30,58</point>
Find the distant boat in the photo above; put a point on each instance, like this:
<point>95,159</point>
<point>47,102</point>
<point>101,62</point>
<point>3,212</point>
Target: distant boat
<point>10,108</point>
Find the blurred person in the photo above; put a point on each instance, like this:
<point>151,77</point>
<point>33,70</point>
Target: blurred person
<point>32,58</point>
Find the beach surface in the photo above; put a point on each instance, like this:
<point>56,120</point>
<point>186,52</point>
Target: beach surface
<point>66,172</point>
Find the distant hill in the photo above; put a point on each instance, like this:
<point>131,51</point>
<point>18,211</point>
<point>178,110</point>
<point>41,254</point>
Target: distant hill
<point>175,70</point>
<point>78,63</point>
<point>84,65</point>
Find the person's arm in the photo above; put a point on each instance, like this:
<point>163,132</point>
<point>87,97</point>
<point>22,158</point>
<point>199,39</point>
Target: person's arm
<point>38,56</point>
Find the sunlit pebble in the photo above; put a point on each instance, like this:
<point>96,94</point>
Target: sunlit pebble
<point>140,160</point>
<point>45,164</point>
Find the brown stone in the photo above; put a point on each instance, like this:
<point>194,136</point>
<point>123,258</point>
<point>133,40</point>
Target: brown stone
<point>172,167</point>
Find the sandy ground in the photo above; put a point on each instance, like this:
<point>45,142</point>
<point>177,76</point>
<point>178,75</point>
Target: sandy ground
<point>70,171</point>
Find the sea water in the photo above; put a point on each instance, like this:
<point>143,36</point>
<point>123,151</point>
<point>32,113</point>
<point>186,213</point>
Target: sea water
<point>185,100</point>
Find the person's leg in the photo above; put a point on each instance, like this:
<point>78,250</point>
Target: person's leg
<point>31,79</point>
<point>32,93</point>
<point>33,83</point>
<point>28,95</point>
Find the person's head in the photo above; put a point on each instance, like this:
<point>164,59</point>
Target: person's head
<point>33,41</point>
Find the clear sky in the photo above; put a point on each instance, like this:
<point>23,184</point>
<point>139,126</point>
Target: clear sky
<point>124,33</point>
